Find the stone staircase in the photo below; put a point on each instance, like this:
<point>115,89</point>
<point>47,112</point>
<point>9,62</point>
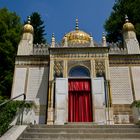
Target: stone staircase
<point>81,132</point>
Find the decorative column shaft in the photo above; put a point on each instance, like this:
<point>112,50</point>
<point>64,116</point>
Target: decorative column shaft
<point>65,71</point>
<point>93,71</point>
<point>50,117</point>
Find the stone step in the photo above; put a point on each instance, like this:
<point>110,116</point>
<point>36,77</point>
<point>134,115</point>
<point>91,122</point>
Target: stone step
<point>80,135</point>
<point>84,126</point>
<point>83,130</point>
<point>80,139</point>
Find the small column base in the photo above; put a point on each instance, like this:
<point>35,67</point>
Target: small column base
<point>50,119</point>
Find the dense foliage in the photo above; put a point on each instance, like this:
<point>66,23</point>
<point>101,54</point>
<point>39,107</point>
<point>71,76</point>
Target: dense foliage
<point>114,23</point>
<point>8,112</point>
<point>10,33</point>
<point>136,104</point>
<point>39,28</point>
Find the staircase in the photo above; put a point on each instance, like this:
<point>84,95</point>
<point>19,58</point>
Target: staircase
<point>81,132</point>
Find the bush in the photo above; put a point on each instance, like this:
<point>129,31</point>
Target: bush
<point>136,104</point>
<point>8,112</point>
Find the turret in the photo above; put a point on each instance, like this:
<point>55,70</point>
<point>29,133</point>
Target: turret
<point>65,41</point>
<point>53,41</point>
<point>25,46</point>
<point>91,41</point>
<point>129,37</point>
<point>104,44</point>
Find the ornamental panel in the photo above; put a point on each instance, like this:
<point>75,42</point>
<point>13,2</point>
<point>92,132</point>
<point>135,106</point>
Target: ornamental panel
<point>100,68</point>
<point>58,68</point>
<point>121,85</point>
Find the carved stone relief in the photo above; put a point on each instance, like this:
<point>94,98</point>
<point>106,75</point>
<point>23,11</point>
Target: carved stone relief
<point>58,68</point>
<point>100,68</point>
<point>80,62</point>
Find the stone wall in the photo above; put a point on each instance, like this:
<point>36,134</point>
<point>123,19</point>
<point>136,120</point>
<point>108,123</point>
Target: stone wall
<point>136,81</point>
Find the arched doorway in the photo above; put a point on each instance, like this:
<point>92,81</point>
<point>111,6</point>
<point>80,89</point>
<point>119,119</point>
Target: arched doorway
<point>79,95</point>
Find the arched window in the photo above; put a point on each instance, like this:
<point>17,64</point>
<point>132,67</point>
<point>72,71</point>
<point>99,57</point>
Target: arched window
<point>79,71</point>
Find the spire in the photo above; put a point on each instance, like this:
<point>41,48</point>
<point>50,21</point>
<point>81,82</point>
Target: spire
<point>65,41</point>
<point>77,26</point>
<point>28,28</point>
<point>27,38</point>
<point>104,44</point>
<point>91,41</point>
<point>29,20</point>
<point>126,18</point>
<point>53,41</point>
<point>128,26</point>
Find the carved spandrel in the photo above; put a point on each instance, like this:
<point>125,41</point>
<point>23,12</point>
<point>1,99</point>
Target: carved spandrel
<point>58,68</point>
<point>82,63</point>
<point>100,67</point>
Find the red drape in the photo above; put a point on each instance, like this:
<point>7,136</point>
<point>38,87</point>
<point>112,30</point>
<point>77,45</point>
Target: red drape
<point>80,106</point>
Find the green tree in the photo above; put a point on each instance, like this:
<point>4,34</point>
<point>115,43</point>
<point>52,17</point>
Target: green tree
<point>10,33</point>
<point>114,23</point>
<point>39,28</point>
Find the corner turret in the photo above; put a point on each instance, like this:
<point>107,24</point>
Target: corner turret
<point>25,46</point>
<point>129,37</point>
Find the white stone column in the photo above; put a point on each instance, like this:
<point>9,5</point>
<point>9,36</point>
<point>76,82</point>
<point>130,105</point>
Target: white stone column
<point>93,73</point>
<point>107,72</point>
<point>65,71</point>
<point>50,117</point>
<point>109,110</point>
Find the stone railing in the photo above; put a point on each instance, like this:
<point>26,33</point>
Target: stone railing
<point>40,49</point>
<point>116,48</point>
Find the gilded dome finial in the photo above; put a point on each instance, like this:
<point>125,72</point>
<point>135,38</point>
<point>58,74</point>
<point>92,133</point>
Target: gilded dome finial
<point>28,28</point>
<point>77,26</point>
<point>128,26</point>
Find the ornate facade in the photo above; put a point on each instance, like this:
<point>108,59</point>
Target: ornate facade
<point>78,80</point>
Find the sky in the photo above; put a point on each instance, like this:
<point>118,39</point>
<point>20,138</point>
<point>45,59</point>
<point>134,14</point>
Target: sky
<point>59,15</point>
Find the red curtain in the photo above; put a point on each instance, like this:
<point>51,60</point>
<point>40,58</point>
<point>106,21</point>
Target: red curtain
<point>80,105</point>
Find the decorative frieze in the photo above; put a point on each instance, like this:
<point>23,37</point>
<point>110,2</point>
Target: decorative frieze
<point>30,60</point>
<point>82,53</point>
<point>124,60</point>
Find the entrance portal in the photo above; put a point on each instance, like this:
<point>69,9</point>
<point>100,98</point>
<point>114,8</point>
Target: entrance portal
<point>79,100</point>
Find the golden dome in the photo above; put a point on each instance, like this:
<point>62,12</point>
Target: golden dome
<point>77,36</point>
<point>128,26</point>
<point>28,28</point>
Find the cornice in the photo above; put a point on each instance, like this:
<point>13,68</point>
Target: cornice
<point>78,53</point>
<point>32,60</point>
<point>127,59</point>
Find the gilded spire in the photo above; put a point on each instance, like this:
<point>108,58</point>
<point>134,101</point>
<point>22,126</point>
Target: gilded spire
<point>128,26</point>
<point>126,18</point>
<point>28,28</point>
<point>53,41</point>
<point>77,26</point>
<point>104,43</point>
<point>52,35</point>
<point>29,20</point>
